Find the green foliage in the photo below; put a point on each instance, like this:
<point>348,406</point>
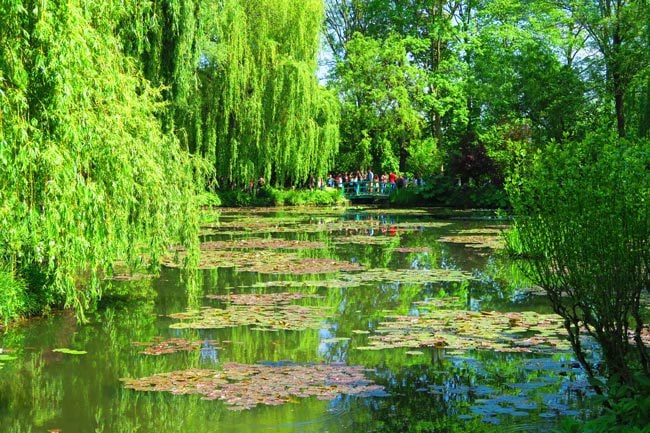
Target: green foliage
<point>264,112</point>
<point>582,222</point>
<point>13,298</point>
<point>406,197</point>
<point>515,74</point>
<point>279,197</point>
<point>208,199</point>
<point>88,175</point>
<point>445,191</point>
<point>424,157</point>
<point>165,40</point>
<point>379,86</point>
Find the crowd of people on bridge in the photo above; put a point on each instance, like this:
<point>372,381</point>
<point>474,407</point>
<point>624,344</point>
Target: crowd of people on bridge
<point>359,181</point>
<point>370,182</point>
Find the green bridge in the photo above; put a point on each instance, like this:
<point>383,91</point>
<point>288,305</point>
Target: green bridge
<point>367,190</point>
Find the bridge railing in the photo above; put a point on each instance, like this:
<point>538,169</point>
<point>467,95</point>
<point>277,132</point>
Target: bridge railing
<point>367,189</point>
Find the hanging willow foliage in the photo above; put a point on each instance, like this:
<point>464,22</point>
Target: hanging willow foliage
<point>87,175</point>
<point>164,36</point>
<point>265,113</point>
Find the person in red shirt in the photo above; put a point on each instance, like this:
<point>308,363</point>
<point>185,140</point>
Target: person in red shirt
<point>392,177</point>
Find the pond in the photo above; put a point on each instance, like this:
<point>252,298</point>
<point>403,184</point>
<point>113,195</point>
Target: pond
<point>306,320</point>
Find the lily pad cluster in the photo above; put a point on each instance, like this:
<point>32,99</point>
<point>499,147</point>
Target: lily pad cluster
<point>265,317</point>
<point>412,250</point>
<point>171,345</point>
<point>467,330</point>
<point>251,225</point>
<point>406,276</point>
<point>244,386</point>
<point>262,243</point>
<point>364,239</point>
<point>266,262</point>
<point>481,238</point>
<point>450,302</point>
<point>356,279</point>
<point>475,241</point>
<point>262,298</point>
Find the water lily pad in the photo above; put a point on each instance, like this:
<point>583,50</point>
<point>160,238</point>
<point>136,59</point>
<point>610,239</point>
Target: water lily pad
<point>475,241</point>
<point>265,312</point>
<point>172,345</point>
<point>69,351</point>
<point>406,276</point>
<point>262,299</point>
<point>262,243</point>
<point>355,279</point>
<point>365,239</point>
<point>265,262</point>
<point>244,386</point>
<point>329,284</point>
<point>412,250</point>
<point>450,302</point>
<point>467,330</point>
<point>255,225</point>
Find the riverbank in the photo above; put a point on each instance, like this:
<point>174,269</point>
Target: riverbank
<point>440,191</point>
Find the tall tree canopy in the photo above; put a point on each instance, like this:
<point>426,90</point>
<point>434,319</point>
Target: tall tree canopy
<point>502,77</point>
<point>88,175</point>
<point>166,39</point>
<point>264,112</point>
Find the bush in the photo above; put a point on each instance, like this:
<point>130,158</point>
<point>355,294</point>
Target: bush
<point>406,197</point>
<point>277,197</point>
<point>208,199</point>
<point>582,222</point>
<point>445,191</point>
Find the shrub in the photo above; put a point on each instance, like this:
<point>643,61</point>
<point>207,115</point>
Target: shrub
<point>269,196</point>
<point>208,199</point>
<point>582,222</point>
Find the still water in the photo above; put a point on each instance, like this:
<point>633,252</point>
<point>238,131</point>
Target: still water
<point>412,297</point>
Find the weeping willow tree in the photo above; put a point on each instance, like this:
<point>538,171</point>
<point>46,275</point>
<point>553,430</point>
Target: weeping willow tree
<point>165,38</point>
<point>88,175</point>
<point>265,113</point>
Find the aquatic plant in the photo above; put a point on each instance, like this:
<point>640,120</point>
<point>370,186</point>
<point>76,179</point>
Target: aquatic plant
<point>263,316</point>
<point>244,386</point>
<point>172,345</point>
<point>261,243</point>
<point>265,262</point>
<point>262,299</point>
<point>467,330</point>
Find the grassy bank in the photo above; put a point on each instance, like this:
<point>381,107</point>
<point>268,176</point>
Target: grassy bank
<point>273,197</point>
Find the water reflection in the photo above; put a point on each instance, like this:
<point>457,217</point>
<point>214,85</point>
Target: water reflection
<point>427,389</point>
